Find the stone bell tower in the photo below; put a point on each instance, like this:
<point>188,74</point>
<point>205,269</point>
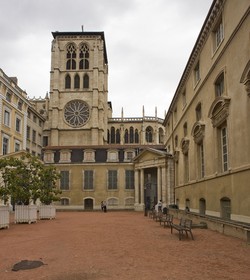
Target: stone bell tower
<point>78,106</point>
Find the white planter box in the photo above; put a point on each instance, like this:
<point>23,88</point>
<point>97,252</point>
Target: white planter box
<point>25,214</point>
<point>4,217</point>
<point>47,212</point>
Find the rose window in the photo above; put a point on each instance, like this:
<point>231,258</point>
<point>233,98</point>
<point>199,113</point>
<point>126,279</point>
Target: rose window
<point>76,113</point>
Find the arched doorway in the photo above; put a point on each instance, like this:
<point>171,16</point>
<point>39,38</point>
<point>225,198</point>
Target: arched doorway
<point>202,206</point>
<point>88,204</point>
<point>225,204</point>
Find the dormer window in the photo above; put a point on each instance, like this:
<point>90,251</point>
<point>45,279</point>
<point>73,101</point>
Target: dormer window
<point>113,156</point>
<point>89,156</point>
<point>129,155</point>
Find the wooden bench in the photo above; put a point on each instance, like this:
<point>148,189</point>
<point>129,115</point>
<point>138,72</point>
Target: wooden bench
<point>167,220</point>
<point>158,216</point>
<point>185,225</point>
<point>151,214</point>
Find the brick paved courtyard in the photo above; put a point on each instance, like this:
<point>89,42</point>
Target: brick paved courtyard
<point>118,245</point>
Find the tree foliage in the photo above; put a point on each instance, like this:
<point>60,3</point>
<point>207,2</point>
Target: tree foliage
<point>27,179</point>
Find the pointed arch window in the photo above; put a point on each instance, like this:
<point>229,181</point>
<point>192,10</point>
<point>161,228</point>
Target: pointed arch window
<point>136,136</point>
<point>84,57</point>
<point>117,136</point>
<point>131,135</point>
<point>67,81</point>
<point>76,81</point>
<point>86,81</point>
<point>126,136</point>
<point>149,134</point>
<point>161,136</point>
<point>71,56</point>
<point>112,135</point>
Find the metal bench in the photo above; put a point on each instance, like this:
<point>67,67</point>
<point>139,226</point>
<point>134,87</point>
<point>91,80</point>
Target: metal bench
<point>185,225</point>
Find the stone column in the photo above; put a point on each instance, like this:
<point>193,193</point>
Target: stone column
<point>137,173</point>
<point>159,189</point>
<point>142,186</point>
<point>164,185</point>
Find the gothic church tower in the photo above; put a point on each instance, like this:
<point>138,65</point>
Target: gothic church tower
<point>78,108</point>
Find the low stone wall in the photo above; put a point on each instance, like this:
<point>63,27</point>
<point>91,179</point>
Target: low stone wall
<point>227,227</point>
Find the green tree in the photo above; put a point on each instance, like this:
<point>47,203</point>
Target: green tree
<point>27,178</point>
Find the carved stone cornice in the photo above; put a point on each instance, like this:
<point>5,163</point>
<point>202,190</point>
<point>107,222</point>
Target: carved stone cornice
<point>185,145</point>
<point>198,132</point>
<point>247,87</point>
<point>219,111</point>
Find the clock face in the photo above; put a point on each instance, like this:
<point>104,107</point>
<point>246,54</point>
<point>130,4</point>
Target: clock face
<point>76,113</point>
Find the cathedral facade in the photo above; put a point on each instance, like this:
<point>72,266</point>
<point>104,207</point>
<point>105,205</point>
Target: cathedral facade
<point>93,151</point>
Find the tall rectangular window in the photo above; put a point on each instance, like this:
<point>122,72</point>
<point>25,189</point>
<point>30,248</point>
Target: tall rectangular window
<point>218,34</point>
<point>184,99</point>
<point>28,132</point>
<point>88,180</point>
<point>186,168</point>
<point>18,125</point>
<point>64,180</point>
<point>45,141</point>
<point>219,86</point>
<point>33,135</point>
<point>202,161</point>
<point>224,149</point>
<point>197,73</point>
<point>7,118</point>
<point>5,145</point>
<point>17,147</point>
<point>112,179</point>
<point>129,177</point>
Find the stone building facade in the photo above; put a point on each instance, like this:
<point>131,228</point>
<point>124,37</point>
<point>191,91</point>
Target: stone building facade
<point>207,128</point>
<point>93,151</point>
<point>21,125</point>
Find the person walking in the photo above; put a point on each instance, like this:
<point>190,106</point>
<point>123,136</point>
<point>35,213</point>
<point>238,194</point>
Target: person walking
<point>160,206</point>
<point>104,206</point>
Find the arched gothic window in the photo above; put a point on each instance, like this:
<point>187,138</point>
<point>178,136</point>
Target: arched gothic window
<point>117,136</point>
<point>136,136</point>
<point>131,135</point>
<point>67,81</point>
<point>77,81</point>
<point>149,134</point>
<point>112,135</point>
<point>71,56</point>
<point>84,57</point>
<point>126,136</point>
<point>86,81</point>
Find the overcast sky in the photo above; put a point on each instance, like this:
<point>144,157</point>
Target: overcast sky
<point>148,44</point>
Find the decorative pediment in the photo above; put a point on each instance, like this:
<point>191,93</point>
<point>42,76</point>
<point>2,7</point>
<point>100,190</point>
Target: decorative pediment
<point>219,110</point>
<point>185,145</point>
<point>198,132</point>
<point>149,154</point>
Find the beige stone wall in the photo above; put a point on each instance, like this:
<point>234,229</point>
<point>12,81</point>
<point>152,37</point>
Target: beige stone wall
<point>76,194</point>
<point>231,58</point>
